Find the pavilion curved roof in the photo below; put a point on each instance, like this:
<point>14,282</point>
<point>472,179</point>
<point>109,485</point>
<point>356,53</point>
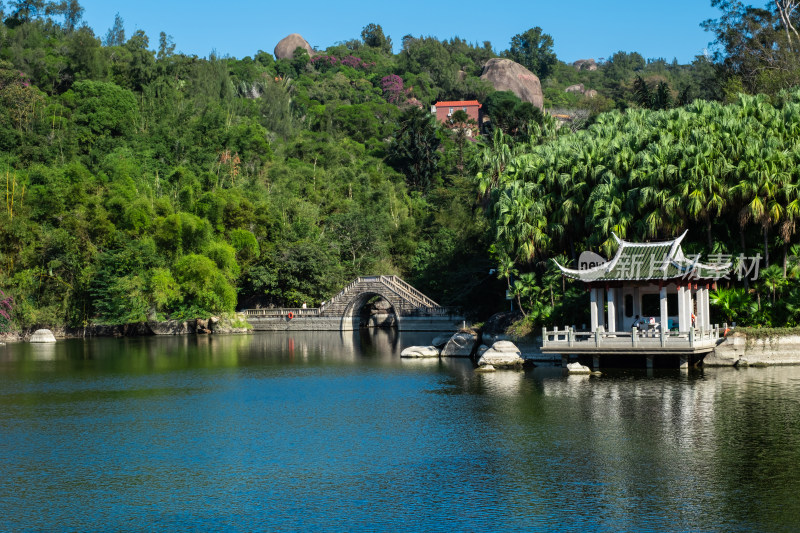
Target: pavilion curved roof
<point>654,261</point>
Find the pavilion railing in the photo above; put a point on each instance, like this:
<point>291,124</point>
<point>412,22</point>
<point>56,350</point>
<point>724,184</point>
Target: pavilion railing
<point>568,337</point>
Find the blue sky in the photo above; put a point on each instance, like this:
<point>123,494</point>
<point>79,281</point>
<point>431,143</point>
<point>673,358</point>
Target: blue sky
<point>580,28</point>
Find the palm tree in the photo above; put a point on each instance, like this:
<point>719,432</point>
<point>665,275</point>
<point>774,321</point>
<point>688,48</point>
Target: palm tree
<point>491,162</point>
<point>773,280</point>
<point>733,303</point>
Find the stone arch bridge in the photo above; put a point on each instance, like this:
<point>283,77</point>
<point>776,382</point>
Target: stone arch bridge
<point>413,310</point>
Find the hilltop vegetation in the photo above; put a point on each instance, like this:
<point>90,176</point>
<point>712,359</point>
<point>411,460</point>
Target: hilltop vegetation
<point>143,183</point>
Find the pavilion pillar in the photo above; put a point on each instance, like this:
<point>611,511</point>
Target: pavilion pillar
<point>663,302</point>
<point>682,309</point>
<point>707,304</point>
<point>701,307</point>
<point>689,306</point>
<point>593,308</point>
<point>612,311</point>
<point>601,311</point>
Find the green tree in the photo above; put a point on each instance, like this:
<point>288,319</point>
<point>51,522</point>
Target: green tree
<point>372,35</point>
<point>71,10</point>
<point>533,49</point>
<point>755,44</point>
<point>116,33</point>
<point>414,148</point>
<point>205,288</point>
<point>166,46</point>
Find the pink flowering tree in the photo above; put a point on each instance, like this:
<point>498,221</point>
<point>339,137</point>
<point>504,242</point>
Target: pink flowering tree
<point>6,307</point>
<point>392,86</point>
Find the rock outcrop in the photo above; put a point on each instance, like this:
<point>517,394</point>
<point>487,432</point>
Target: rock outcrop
<point>381,314</point>
<point>585,64</point>
<point>581,89</point>
<point>229,324</point>
<point>286,46</point>
<point>172,327</point>
<point>202,326</point>
<point>43,335</point>
<point>503,354</point>
<point>737,349</point>
<point>420,351</point>
<point>506,75</point>
<point>460,345</point>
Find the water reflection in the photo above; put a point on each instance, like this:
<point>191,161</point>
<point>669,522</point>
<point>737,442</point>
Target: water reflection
<point>308,430</point>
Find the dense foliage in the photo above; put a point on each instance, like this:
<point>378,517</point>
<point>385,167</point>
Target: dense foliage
<point>147,184</point>
<point>142,183</point>
<point>729,173</point>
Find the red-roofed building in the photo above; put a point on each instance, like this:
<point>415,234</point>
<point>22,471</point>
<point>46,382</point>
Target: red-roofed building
<point>444,110</point>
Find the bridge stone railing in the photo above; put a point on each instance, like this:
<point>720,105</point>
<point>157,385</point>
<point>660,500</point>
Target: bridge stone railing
<point>404,298</point>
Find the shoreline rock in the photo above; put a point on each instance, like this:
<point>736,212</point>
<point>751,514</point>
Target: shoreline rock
<point>503,354</point>
<point>577,368</point>
<point>172,327</point>
<point>440,341</point>
<point>460,345</point>
<point>741,351</point>
<point>413,352</point>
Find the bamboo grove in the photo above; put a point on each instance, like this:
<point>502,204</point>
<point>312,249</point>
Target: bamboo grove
<point>730,174</point>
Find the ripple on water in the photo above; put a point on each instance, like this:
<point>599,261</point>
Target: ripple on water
<point>332,432</point>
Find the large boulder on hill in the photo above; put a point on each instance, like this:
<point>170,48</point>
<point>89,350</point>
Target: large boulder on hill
<point>578,88</point>
<point>286,47</point>
<point>506,75</point>
<point>585,64</point>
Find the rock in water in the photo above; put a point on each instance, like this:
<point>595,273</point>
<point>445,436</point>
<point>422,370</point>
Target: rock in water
<point>502,354</point>
<point>440,341</point>
<point>43,335</point>
<point>506,75</point>
<point>286,46</point>
<point>577,368</point>
<point>485,368</point>
<point>460,345</point>
<point>420,351</point>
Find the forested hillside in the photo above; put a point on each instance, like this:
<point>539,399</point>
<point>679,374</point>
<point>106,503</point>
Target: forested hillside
<point>143,183</point>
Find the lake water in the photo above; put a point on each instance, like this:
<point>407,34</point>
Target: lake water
<point>334,432</point>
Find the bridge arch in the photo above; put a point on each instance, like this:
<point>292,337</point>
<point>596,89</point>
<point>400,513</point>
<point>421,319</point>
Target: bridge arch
<point>411,308</point>
<point>351,313</point>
